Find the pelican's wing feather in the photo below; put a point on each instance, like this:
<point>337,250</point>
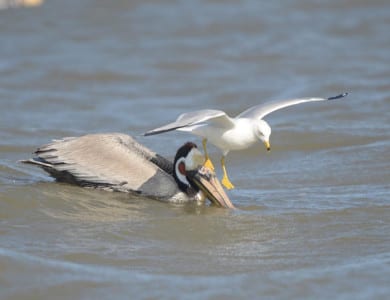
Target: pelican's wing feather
<point>112,161</point>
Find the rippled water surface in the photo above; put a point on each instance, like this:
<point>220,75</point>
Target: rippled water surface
<point>314,213</point>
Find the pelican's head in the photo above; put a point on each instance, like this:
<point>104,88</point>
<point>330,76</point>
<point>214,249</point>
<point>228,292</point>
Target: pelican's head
<point>192,177</point>
<point>263,131</point>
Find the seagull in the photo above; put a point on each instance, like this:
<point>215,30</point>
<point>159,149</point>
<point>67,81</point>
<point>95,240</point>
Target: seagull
<point>116,162</point>
<point>231,134</point>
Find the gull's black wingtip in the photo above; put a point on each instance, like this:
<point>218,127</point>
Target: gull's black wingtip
<point>338,96</point>
<point>154,132</point>
<point>158,131</point>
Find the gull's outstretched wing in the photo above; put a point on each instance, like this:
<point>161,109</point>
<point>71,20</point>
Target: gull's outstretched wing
<point>210,116</point>
<point>261,110</point>
<point>109,161</point>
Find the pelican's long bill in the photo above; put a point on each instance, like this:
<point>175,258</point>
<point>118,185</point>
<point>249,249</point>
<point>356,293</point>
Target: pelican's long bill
<point>207,181</point>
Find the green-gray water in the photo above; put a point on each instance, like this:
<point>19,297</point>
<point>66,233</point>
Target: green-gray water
<point>314,213</point>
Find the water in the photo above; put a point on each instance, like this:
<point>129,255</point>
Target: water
<point>314,214</point>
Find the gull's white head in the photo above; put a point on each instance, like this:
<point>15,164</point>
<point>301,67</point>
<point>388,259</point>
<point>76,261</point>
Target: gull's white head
<point>263,131</point>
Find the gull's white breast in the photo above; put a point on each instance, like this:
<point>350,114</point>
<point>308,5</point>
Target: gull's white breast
<point>239,137</point>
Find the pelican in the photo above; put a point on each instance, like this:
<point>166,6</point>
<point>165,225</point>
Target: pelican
<point>116,162</point>
<point>228,133</point>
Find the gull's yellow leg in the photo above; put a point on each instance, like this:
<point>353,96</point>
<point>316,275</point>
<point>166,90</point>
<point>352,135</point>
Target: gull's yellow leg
<point>208,162</point>
<point>225,180</point>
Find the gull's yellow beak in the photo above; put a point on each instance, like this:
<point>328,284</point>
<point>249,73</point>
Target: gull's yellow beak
<point>267,145</point>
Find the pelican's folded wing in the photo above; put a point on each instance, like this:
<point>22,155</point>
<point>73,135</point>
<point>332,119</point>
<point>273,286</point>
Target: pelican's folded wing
<point>110,161</point>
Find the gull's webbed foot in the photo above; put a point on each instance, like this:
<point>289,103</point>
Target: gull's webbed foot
<point>227,183</point>
<point>225,179</point>
<point>208,164</point>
